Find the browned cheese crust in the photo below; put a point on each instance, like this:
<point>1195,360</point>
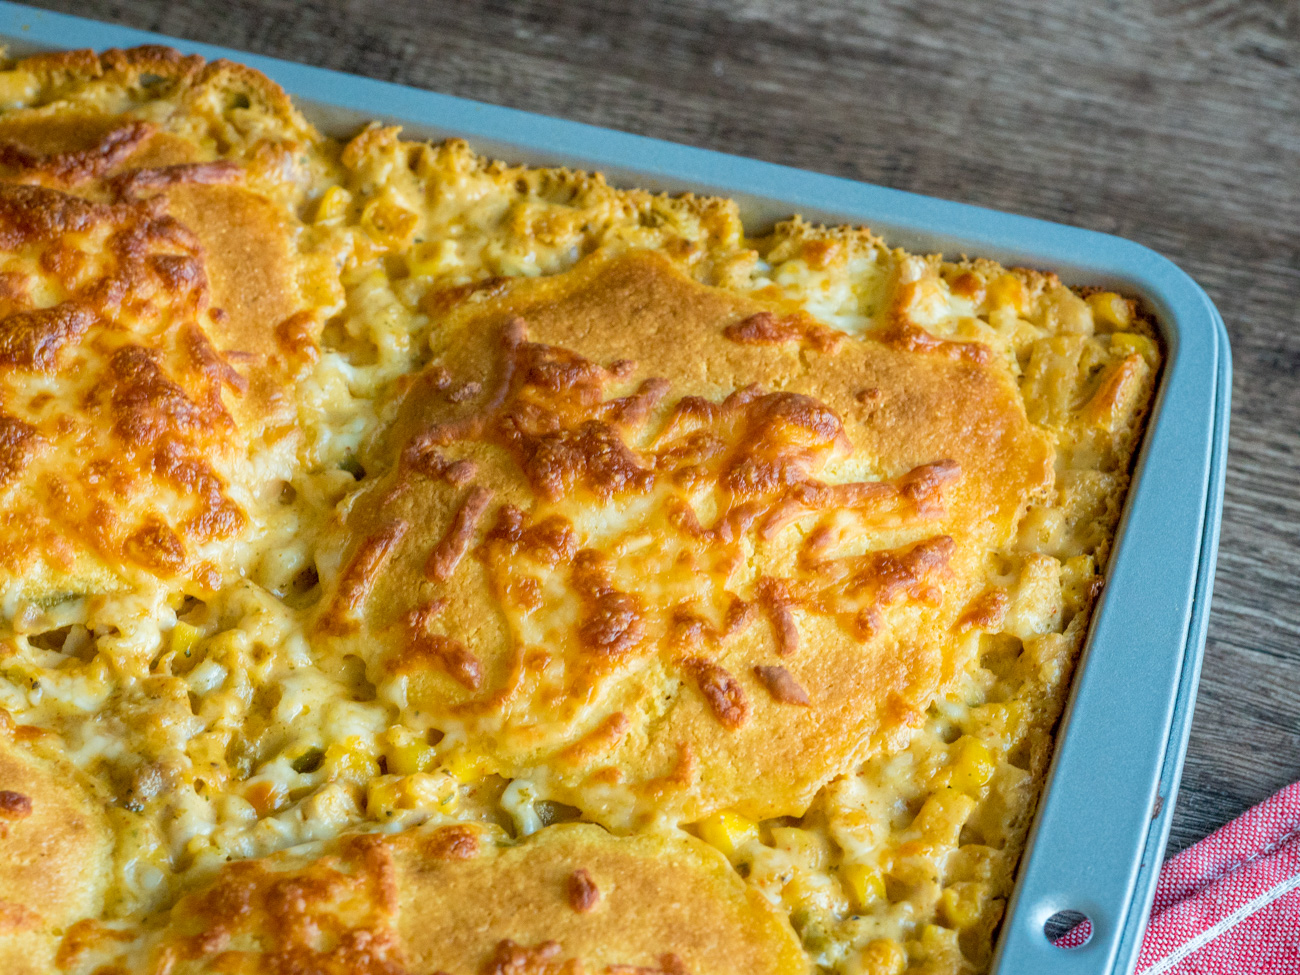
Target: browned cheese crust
<point>413,563</point>
<point>145,400</point>
<point>55,847</point>
<point>415,903</point>
<point>660,503</point>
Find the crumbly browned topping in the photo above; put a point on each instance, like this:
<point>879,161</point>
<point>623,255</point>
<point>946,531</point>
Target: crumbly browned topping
<point>14,805</point>
<point>584,895</point>
<point>780,683</point>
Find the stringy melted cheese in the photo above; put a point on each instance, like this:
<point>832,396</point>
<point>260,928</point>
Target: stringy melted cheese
<point>382,489</point>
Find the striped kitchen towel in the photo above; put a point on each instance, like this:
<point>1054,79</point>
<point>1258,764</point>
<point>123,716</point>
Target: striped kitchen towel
<point>1230,905</point>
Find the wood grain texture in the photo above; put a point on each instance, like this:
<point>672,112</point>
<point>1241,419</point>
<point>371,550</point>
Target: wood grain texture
<point>1173,122</point>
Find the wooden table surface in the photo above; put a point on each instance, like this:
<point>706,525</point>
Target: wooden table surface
<point>1175,123</point>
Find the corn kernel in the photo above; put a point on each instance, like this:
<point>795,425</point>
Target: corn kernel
<point>1008,292</point>
<point>184,637</point>
<point>1111,309</point>
<point>1003,719</point>
<point>333,204</point>
<point>727,831</point>
<point>350,764</point>
<point>17,87</point>
<point>805,847</point>
<point>465,766</point>
<point>883,957</point>
<point>865,884</point>
<point>388,224</point>
<point>1126,343</point>
<point>936,944</point>
<point>410,757</point>
<point>974,766</point>
<point>432,258</point>
<point>960,904</point>
<point>942,816</point>
<point>265,797</point>
<point>382,797</point>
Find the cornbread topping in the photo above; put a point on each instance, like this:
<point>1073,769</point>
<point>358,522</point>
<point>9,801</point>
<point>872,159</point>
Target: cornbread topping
<point>416,563</point>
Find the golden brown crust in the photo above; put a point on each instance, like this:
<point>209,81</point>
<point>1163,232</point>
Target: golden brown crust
<point>369,486</point>
<point>658,895</point>
<point>584,895</point>
<point>175,270</point>
<point>780,683</point>
<point>55,845</point>
<point>151,390</point>
<point>414,903</point>
<point>587,397</point>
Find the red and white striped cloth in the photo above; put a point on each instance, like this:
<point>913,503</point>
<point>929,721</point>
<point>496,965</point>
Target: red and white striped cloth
<point>1230,905</point>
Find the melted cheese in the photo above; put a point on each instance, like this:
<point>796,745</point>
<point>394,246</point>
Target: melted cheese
<point>571,899</point>
<point>146,399</point>
<point>653,536</point>
<point>369,512</point>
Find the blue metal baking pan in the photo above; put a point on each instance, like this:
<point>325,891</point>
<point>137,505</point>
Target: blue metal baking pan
<point>1102,824</point>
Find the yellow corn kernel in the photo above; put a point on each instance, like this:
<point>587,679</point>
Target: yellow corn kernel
<point>465,766</point>
<point>727,831</point>
<point>1125,343</point>
<point>936,944</point>
<point>1111,309</point>
<point>1002,719</point>
<point>17,87</point>
<point>431,258</point>
<point>941,818</point>
<point>973,767</point>
<point>383,796</point>
<point>350,764</point>
<point>265,797</point>
<point>960,905</point>
<point>883,957</point>
<point>409,757</point>
<point>425,790</point>
<point>864,883</point>
<point>1008,291</point>
<point>388,224</point>
<point>333,204</point>
<point>805,847</point>
<point>184,636</point>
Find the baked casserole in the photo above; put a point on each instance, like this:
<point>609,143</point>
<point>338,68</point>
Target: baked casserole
<point>412,562</point>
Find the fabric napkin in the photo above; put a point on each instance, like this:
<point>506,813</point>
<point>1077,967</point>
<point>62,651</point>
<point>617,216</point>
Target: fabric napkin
<point>1230,905</point>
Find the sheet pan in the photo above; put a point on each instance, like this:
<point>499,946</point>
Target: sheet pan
<point>1102,823</point>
